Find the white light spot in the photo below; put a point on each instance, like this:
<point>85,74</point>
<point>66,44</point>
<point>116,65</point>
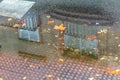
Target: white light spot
<point>97,23</point>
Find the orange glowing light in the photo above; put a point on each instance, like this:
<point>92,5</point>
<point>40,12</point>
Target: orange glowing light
<point>91,37</point>
<point>50,21</point>
<point>49,76</point>
<point>115,72</point>
<point>56,27</point>
<point>15,25</point>
<point>61,27</point>
<point>23,24</point>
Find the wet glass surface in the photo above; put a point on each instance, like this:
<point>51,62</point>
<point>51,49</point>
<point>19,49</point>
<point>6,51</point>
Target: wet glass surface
<point>79,45</point>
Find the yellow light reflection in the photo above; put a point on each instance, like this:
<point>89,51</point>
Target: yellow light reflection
<point>61,60</point>
<point>56,27</point>
<point>1,78</point>
<point>60,27</point>
<point>9,19</point>
<point>50,21</point>
<point>115,72</point>
<point>49,76</point>
<point>15,25</point>
<point>23,24</point>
